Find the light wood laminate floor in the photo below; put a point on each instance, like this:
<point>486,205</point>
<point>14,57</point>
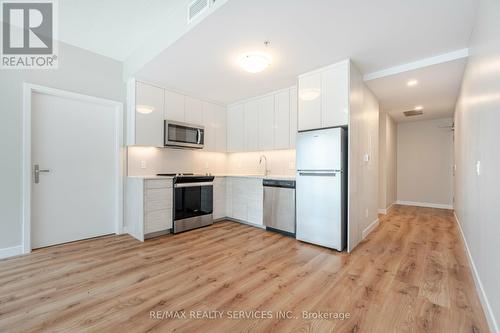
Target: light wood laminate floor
<point>410,275</point>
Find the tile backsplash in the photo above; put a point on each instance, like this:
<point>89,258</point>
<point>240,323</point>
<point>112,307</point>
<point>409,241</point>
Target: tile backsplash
<point>142,161</point>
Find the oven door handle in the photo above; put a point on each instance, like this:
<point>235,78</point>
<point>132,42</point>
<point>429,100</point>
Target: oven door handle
<point>193,184</point>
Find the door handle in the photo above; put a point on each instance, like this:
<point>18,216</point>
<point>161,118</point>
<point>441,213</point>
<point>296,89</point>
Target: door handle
<point>323,174</point>
<point>199,137</point>
<point>37,171</point>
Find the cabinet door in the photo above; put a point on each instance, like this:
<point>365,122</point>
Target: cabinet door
<point>309,102</point>
<point>335,98</point>
<point>219,198</point>
<point>293,116</point>
<point>209,121</point>
<point>266,123</point>
<point>149,115</point>
<point>174,106</point>
<point>236,128</point>
<point>239,199</point>
<point>220,129</point>
<point>252,125</point>
<point>282,120</point>
<point>254,196</point>
<point>194,111</point>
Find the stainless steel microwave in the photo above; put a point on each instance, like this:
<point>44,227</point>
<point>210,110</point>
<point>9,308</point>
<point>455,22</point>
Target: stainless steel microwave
<point>182,135</point>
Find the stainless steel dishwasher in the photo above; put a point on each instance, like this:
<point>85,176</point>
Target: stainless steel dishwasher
<point>279,205</point>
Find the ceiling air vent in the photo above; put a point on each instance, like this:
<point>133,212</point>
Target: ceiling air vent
<point>413,113</point>
<point>197,7</point>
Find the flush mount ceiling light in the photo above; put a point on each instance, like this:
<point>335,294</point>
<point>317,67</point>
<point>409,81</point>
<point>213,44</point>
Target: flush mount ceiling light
<point>144,109</point>
<point>309,94</point>
<point>418,108</point>
<point>255,62</point>
<point>412,83</point>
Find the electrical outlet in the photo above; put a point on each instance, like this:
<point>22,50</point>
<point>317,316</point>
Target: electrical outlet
<point>143,165</point>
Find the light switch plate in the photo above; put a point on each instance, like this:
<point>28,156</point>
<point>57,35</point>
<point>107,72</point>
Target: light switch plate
<point>143,164</point>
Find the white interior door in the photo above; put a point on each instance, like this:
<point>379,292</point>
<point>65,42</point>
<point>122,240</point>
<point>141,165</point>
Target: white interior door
<point>77,142</point>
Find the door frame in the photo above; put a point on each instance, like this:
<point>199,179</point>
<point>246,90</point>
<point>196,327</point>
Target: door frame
<point>28,90</point>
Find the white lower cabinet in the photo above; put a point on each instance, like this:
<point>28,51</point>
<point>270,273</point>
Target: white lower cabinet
<point>219,198</point>
<point>244,199</point>
<point>149,206</point>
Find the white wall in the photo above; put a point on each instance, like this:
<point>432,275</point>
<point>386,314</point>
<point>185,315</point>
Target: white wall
<point>363,175</point>
<point>387,161</point>
<point>477,138</point>
<point>165,160</point>
<point>79,71</point>
<point>425,163</point>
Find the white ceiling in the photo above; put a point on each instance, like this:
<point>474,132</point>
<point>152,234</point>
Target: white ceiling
<point>437,91</point>
<point>306,35</point>
<point>114,28</point>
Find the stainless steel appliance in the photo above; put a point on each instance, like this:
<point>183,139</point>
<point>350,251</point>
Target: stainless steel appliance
<point>279,205</point>
<point>322,187</point>
<point>193,201</point>
<point>183,135</point>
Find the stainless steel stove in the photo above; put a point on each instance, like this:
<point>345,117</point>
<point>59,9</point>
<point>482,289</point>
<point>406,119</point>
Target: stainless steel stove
<point>193,201</point>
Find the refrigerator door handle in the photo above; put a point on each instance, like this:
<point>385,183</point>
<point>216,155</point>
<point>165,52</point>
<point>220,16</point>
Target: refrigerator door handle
<point>322,174</point>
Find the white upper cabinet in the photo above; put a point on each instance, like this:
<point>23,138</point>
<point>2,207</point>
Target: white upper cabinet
<point>266,123</point>
<point>214,120</point>
<point>252,125</point>
<point>174,106</point>
<point>220,128</point>
<point>149,112</point>
<point>309,116</point>
<point>282,120</point>
<point>324,97</point>
<point>236,128</point>
<point>335,98</point>
<point>209,121</point>
<point>293,116</point>
<point>149,106</point>
<point>194,111</point>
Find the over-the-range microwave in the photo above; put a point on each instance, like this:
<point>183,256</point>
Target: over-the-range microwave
<point>183,135</point>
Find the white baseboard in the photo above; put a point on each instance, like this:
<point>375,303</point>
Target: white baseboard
<point>385,210</point>
<point>424,204</point>
<point>492,323</point>
<point>370,228</point>
<point>11,251</point>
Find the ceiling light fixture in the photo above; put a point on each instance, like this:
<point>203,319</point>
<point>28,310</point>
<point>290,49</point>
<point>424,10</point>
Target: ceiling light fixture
<point>419,108</point>
<point>255,62</point>
<point>412,83</point>
<point>144,109</point>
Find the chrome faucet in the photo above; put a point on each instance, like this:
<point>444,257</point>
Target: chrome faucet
<point>263,157</point>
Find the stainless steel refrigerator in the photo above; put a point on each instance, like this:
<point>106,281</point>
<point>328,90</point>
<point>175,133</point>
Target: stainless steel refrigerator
<point>321,187</point>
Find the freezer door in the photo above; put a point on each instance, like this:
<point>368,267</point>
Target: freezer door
<point>320,150</point>
<point>319,209</point>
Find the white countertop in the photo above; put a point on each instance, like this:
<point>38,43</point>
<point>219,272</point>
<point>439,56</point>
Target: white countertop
<point>278,177</point>
<point>151,177</point>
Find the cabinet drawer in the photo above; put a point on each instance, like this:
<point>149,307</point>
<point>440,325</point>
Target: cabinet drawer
<point>157,221</point>
<point>158,183</point>
<point>159,198</point>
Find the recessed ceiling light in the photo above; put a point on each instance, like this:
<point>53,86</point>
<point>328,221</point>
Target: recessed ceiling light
<point>412,83</point>
<point>144,109</point>
<point>418,108</point>
<point>255,62</point>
